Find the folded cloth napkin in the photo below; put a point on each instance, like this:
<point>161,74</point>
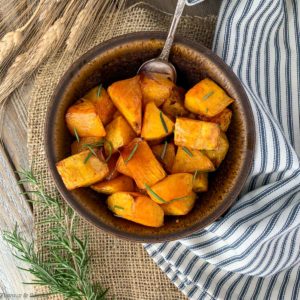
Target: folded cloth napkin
<point>253,252</point>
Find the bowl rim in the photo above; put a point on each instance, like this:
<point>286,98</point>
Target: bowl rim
<point>77,65</point>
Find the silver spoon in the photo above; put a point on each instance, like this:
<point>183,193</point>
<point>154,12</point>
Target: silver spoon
<point>161,64</point>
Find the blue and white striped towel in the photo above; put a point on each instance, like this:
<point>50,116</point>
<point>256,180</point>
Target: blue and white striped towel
<point>253,252</point>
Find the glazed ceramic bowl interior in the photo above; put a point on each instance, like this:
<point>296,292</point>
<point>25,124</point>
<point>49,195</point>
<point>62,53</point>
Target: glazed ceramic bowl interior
<point>118,59</point>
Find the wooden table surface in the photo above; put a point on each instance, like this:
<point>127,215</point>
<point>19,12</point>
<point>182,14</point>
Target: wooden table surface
<point>14,207</point>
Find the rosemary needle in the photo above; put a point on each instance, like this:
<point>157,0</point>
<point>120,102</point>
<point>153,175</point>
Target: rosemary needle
<point>99,90</point>
<point>163,122</point>
<point>148,188</point>
<point>186,150</point>
<point>118,207</point>
<point>131,154</point>
<point>205,97</point>
<point>88,157</point>
<point>195,175</point>
<point>163,153</point>
<point>76,135</point>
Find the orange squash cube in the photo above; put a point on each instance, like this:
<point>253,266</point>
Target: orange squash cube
<point>189,161</point>
<point>207,98</point>
<point>118,133</point>
<point>119,184</point>
<point>195,134</point>
<point>155,88</point>
<point>138,209</point>
<point>223,119</point>
<point>77,147</point>
<point>180,207</point>
<point>172,187</point>
<point>218,155</point>
<point>105,108</point>
<point>76,171</point>
<point>166,154</point>
<point>200,182</point>
<point>83,118</point>
<point>156,125</point>
<point>127,97</point>
<point>142,164</point>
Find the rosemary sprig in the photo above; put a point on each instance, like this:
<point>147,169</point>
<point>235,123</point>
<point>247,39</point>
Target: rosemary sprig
<point>163,153</point>
<point>98,145</point>
<point>148,188</point>
<point>90,154</point>
<point>187,151</point>
<point>163,122</point>
<point>131,154</point>
<point>99,90</point>
<point>205,97</point>
<point>76,135</point>
<point>65,269</point>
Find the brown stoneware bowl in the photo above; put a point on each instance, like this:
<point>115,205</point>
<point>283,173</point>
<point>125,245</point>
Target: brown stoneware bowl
<point>120,58</point>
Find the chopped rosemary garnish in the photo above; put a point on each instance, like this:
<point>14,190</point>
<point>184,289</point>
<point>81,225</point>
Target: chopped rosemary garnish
<point>99,90</point>
<point>76,135</point>
<point>88,157</point>
<point>131,154</point>
<point>195,175</point>
<point>163,122</point>
<point>205,97</point>
<point>118,207</point>
<point>110,149</point>
<point>148,188</point>
<point>163,153</point>
<point>186,150</point>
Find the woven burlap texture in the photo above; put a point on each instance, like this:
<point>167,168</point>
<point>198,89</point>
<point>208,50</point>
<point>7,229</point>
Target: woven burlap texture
<point>124,267</point>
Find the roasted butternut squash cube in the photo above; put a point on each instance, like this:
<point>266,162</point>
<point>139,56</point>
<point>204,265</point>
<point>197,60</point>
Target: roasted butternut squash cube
<point>223,119</point>
<point>127,97</point>
<point>175,186</point>
<point>83,118</point>
<point>155,88</point>
<point>140,209</point>
<point>156,125</point>
<point>207,98</point>
<point>105,107</point>
<point>76,171</point>
<point>142,164</point>
<point>112,166</point>
<point>174,105</point>
<point>180,207</point>
<point>200,182</point>
<point>189,161</point>
<point>122,168</point>
<point>77,147</point>
<point>118,133</point>
<point>195,134</point>
<point>166,154</point>
<point>119,184</point>
<point>218,155</point>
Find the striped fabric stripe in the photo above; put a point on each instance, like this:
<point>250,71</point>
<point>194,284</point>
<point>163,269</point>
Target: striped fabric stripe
<point>253,252</point>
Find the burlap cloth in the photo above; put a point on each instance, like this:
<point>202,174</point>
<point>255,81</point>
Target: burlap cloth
<point>124,267</point>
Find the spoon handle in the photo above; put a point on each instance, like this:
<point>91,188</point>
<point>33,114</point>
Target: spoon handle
<point>170,38</point>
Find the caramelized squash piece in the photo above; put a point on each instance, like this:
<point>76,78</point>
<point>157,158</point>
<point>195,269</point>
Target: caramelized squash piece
<point>112,166</point>
<point>127,97</point>
<point>83,118</point>
<point>223,119</point>
<point>189,161</point>
<point>218,155</point>
<point>142,164</point>
<point>76,171</point>
<point>174,105</point>
<point>77,147</point>
<point>119,184</point>
<point>139,209</point>
<point>180,207</point>
<point>196,134</point>
<point>156,125</point>
<point>166,154</point>
<point>155,88</point>
<point>206,98</point>
<point>119,133</point>
<point>200,182</point>
<point>122,168</point>
<point>105,107</point>
<point>175,186</point>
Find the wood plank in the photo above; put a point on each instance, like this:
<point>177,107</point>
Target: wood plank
<point>13,209</point>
